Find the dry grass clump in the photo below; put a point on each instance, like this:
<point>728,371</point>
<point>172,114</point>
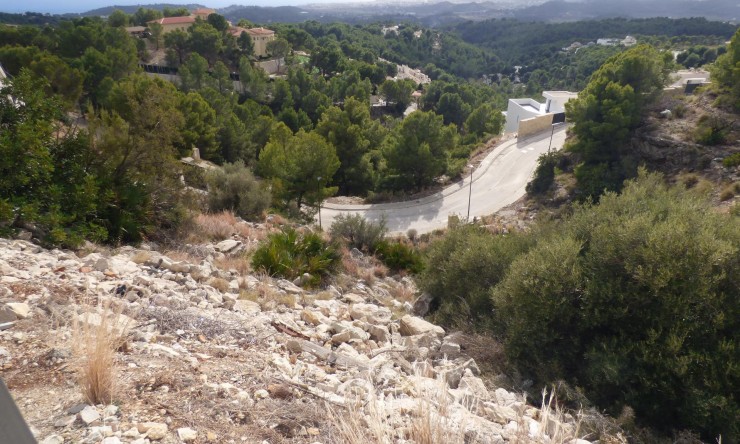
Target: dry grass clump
<point>141,257</point>
<point>368,421</point>
<point>182,256</point>
<point>216,226</point>
<point>96,335</point>
<point>729,192</point>
<point>239,263</point>
<point>219,284</point>
<point>402,293</point>
<point>219,226</point>
<point>268,297</point>
<point>552,425</point>
<point>349,264</point>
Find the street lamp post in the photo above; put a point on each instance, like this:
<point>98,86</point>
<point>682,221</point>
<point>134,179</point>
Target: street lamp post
<point>318,193</point>
<point>552,133</point>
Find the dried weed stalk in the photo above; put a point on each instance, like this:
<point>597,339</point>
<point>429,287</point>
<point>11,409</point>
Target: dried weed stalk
<point>96,335</point>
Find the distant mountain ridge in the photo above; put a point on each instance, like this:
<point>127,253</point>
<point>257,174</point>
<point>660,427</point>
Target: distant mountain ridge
<point>447,12</point>
<point>130,9</point>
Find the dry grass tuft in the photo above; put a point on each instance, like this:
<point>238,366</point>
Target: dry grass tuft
<point>367,420</point>
<point>349,264</point>
<point>182,256</point>
<point>219,284</point>
<point>141,256</point>
<point>268,297</point>
<point>215,227</point>
<point>729,192</point>
<point>239,263</point>
<point>96,335</point>
<point>402,293</point>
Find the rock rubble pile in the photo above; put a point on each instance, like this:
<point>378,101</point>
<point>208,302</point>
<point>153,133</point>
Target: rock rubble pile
<point>210,355</point>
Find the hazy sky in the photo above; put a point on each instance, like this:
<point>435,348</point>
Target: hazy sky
<point>56,6</point>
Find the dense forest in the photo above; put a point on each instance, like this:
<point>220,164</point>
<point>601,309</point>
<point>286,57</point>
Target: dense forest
<point>538,47</point>
<point>81,86</point>
<point>88,70</point>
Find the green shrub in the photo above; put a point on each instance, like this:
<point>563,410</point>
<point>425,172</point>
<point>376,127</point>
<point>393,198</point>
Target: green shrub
<point>731,161</point>
<point>679,111</point>
<point>400,257</point>
<point>461,268</point>
<point>711,130</point>
<point>290,254</point>
<point>357,232</point>
<point>544,174</point>
<point>194,177</point>
<point>636,301</point>
<point>235,188</point>
<point>728,192</point>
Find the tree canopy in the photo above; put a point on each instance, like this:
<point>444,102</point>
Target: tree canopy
<point>605,113</point>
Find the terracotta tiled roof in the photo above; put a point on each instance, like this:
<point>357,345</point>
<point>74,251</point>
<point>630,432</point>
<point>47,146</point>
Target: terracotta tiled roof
<point>236,31</point>
<point>260,31</point>
<point>204,11</point>
<point>174,20</point>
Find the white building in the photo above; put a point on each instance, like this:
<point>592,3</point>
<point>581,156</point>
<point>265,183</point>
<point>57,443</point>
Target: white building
<point>521,109</point>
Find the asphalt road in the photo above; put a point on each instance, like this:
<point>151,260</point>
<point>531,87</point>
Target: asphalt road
<point>498,181</point>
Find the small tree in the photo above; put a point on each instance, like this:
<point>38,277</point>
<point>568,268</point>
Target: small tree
<point>358,232</point>
<point>300,165</point>
<point>235,188</point>
<point>157,31</point>
<point>278,48</point>
<point>246,45</point>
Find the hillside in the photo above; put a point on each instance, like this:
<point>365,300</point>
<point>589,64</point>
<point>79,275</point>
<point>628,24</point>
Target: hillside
<point>204,350</point>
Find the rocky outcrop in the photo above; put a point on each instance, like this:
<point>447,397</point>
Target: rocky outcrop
<point>208,349</point>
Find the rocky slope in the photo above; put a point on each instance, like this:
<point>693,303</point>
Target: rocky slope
<point>210,355</point>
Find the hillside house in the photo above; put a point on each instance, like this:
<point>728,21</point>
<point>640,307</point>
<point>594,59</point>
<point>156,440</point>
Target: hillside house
<point>136,31</point>
<point>524,109</point>
<point>170,24</point>
<point>261,37</point>
<point>203,13</point>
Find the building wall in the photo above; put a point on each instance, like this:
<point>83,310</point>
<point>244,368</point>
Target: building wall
<point>534,125</point>
<point>260,44</point>
<point>515,113</point>
<point>171,27</point>
<point>555,100</point>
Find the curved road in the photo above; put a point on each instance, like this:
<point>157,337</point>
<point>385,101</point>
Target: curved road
<point>499,180</point>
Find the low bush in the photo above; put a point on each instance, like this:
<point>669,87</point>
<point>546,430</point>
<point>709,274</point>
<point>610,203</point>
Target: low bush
<point>544,174</point>
<point>236,189</point>
<point>290,254</point>
<point>400,257</point>
<point>633,300</point>
<point>728,192</point>
<point>462,267</point>
<point>357,232</point>
<point>731,161</point>
<point>711,130</point>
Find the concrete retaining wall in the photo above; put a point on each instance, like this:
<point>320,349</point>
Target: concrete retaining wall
<point>534,125</point>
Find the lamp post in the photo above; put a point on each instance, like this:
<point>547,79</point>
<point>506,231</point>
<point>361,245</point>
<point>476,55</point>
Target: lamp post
<point>552,133</point>
<point>318,193</point>
<point>470,190</point>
